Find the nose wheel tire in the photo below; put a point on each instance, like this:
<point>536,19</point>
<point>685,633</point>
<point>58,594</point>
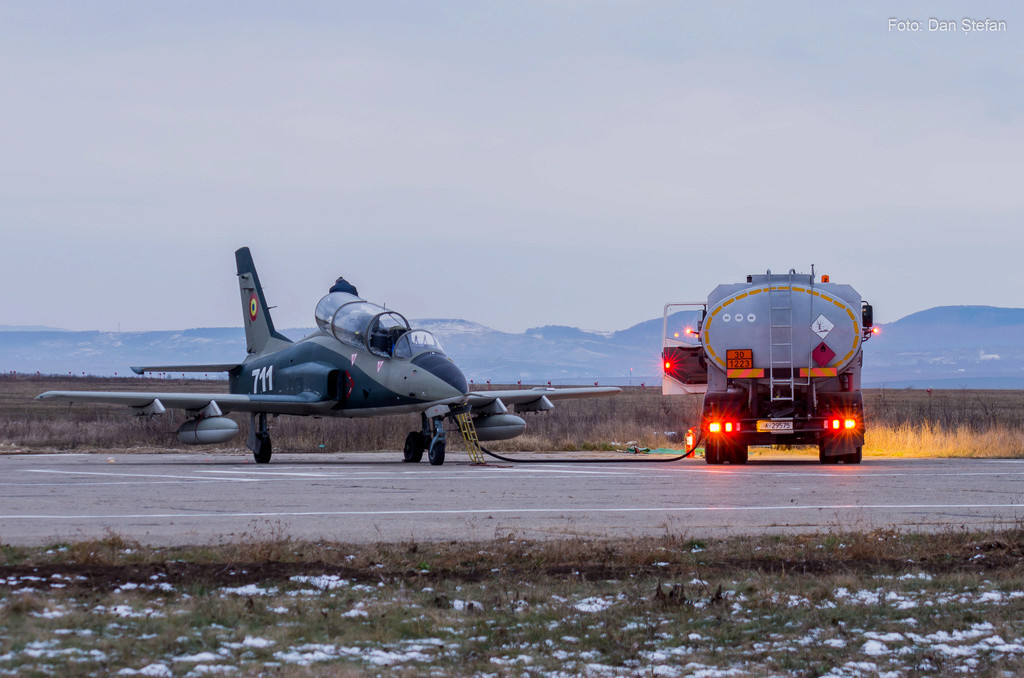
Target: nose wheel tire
<point>263,449</point>
<point>436,452</point>
<point>414,447</point>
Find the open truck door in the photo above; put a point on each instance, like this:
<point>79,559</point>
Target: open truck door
<point>684,365</point>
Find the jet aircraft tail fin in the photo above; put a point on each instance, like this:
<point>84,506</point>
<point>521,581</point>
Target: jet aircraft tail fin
<point>260,335</point>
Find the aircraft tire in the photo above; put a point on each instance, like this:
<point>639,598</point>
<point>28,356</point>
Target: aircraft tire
<point>414,447</point>
<point>436,452</point>
<point>264,450</point>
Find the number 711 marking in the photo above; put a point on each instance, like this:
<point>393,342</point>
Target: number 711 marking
<point>263,379</point>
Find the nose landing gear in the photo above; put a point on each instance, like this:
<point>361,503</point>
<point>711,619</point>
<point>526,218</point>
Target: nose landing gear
<point>430,440</point>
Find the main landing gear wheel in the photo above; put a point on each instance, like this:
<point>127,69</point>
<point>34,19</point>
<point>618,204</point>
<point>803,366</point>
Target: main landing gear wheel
<point>415,445</point>
<point>263,448</point>
<point>259,438</point>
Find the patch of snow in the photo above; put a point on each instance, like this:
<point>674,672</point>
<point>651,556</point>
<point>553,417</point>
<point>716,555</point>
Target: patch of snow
<point>593,604</point>
<point>251,641</point>
<point>198,657</point>
<point>874,648</point>
<point>324,582</point>
<point>249,590</point>
<point>467,605</point>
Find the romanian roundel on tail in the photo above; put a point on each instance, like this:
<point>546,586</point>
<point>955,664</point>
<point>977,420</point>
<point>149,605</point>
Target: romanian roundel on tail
<point>260,335</point>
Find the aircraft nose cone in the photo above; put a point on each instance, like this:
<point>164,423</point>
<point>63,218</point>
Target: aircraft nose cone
<point>442,367</point>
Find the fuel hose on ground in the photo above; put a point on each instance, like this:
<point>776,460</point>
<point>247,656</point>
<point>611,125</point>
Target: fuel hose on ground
<point>585,461</point>
<point>698,435</point>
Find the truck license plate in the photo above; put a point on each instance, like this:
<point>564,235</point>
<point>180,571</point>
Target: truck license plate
<point>776,426</point>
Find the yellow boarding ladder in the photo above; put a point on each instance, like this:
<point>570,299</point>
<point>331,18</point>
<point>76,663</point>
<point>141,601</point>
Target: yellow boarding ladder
<point>468,430</point>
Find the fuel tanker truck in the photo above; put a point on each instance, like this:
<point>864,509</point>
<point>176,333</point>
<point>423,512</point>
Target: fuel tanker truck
<point>778,359</point>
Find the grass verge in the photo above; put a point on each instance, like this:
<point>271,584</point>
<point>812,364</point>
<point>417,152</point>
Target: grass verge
<point>838,603</point>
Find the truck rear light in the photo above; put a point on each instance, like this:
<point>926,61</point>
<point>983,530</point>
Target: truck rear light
<point>835,423</point>
<point>850,423</point>
<point>714,427</point>
<point>728,427</point>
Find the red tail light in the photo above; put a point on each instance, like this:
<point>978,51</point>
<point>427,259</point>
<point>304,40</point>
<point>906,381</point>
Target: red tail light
<point>724,426</point>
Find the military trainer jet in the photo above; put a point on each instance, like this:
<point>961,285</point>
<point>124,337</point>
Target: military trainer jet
<point>363,361</point>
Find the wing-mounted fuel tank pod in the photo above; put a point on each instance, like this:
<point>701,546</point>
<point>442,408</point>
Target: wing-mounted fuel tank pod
<point>207,431</point>
<point>498,426</point>
<point>493,422</point>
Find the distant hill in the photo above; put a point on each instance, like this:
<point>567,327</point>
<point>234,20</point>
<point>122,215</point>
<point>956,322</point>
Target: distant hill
<point>943,347</point>
<point>949,347</point>
<point>29,328</point>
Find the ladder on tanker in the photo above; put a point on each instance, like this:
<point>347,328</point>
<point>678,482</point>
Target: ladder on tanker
<point>468,430</point>
<point>781,377</point>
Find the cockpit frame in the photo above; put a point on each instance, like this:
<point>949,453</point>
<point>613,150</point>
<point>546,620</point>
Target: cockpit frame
<point>362,324</point>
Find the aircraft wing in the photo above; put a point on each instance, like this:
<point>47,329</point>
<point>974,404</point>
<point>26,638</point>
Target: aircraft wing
<point>534,399</point>
<point>155,403</point>
<point>219,367</point>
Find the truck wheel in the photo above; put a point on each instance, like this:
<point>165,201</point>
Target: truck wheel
<point>855,457</point>
<point>740,455</point>
<point>833,459</point>
<point>712,453</point>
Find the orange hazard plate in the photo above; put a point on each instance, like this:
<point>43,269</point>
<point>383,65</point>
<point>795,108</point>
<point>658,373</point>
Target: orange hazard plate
<point>739,359</point>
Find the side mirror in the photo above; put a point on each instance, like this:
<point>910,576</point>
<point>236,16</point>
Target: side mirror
<point>867,315</point>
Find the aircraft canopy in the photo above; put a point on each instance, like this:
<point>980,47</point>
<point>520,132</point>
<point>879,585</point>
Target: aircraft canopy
<point>359,323</point>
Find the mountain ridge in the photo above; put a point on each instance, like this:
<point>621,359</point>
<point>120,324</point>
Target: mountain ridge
<point>941,346</point>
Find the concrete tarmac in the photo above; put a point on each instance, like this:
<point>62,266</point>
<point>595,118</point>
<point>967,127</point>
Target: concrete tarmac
<point>201,498</point>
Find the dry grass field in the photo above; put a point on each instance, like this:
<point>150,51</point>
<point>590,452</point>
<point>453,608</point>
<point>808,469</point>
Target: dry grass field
<point>900,422</point>
<point>839,604</point>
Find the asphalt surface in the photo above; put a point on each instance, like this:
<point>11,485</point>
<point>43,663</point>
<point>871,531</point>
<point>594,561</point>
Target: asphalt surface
<point>199,498</point>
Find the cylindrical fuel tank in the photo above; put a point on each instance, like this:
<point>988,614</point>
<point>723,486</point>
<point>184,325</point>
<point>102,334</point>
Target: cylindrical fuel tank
<point>207,431</point>
<point>782,321</point>
<point>498,426</point>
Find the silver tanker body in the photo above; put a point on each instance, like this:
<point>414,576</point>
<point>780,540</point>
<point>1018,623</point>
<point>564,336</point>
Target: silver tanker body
<point>779,361</point>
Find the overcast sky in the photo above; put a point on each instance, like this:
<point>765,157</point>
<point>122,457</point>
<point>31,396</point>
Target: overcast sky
<point>512,163</point>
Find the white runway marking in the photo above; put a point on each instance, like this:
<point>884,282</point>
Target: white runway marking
<point>409,512</point>
<point>134,475</point>
<point>378,475</point>
<point>97,483</point>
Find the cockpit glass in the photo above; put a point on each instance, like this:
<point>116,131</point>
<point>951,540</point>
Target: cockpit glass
<point>414,342</point>
<point>384,331</point>
<point>359,323</point>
